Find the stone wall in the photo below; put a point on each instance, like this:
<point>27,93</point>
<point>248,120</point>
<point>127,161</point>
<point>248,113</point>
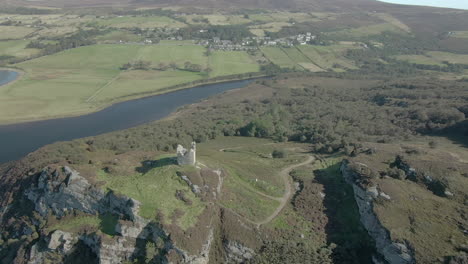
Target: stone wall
<point>186,156</point>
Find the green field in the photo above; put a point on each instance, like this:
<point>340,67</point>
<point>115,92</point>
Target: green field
<point>11,32</point>
<point>277,56</point>
<point>460,34</point>
<point>140,22</point>
<point>312,58</point>
<point>435,58</point>
<point>16,48</point>
<point>367,31</point>
<point>155,190</point>
<point>419,59</point>
<point>119,35</point>
<point>88,78</point>
<point>328,57</point>
<point>231,62</point>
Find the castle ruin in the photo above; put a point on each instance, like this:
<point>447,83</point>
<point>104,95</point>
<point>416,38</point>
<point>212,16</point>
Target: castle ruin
<point>186,156</point>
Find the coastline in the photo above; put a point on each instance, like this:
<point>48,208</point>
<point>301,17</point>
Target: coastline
<point>131,97</point>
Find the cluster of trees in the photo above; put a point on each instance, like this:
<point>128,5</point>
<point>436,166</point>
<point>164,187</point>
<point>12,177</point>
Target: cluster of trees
<point>81,38</point>
<point>147,65</point>
<point>233,33</point>
<point>137,65</point>
<point>330,117</point>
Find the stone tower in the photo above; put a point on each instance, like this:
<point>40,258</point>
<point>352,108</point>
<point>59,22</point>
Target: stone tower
<point>187,156</point>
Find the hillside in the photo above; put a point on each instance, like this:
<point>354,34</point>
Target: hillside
<point>120,196</point>
<point>347,146</point>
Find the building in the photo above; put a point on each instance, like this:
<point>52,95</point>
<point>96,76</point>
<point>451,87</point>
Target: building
<point>186,156</point>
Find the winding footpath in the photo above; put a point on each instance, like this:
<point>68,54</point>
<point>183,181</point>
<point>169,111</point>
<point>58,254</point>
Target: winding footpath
<point>283,200</point>
<point>288,187</point>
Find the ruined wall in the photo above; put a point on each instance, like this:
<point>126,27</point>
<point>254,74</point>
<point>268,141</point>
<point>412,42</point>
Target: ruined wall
<point>186,156</point>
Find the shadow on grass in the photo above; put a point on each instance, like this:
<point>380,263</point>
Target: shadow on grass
<point>148,165</point>
<point>344,228</point>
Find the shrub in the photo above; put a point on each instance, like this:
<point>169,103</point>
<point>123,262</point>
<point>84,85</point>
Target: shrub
<point>279,154</point>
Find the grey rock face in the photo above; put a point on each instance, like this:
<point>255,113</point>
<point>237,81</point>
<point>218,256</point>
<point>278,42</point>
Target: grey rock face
<point>62,241</point>
<point>238,253</point>
<point>52,195</point>
<point>394,253</point>
<point>59,197</point>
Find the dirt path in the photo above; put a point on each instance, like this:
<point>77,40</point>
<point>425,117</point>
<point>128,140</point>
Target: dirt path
<point>288,189</point>
<point>287,186</point>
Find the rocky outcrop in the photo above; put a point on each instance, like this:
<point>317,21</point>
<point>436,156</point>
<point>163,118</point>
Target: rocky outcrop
<point>393,252</point>
<point>238,253</point>
<point>52,195</point>
<point>57,196</point>
<point>59,192</point>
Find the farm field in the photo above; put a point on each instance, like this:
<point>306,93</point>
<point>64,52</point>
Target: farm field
<point>140,22</point>
<point>278,56</point>
<point>313,58</point>
<point>368,30</point>
<point>16,48</point>
<point>11,32</point>
<point>460,34</point>
<point>419,59</point>
<point>89,78</point>
<point>436,58</point>
<point>328,57</point>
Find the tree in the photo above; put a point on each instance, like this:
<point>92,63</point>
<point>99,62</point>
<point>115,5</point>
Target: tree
<point>279,154</point>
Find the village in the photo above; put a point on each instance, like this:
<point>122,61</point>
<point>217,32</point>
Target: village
<point>246,44</point>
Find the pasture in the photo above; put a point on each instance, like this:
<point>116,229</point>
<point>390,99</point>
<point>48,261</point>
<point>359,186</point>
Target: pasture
<point>13,32</point>
<point>86,79</point>
<point>328,57</point>
<point>435,58</point>
<point>366,31</point>
<point>140,22</point>
<point>16,48</point>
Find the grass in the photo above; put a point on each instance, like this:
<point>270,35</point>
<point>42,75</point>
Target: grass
<point>367,31</point>
<point>119,35</point>
<point>231,62</point>
<point>155,190</point>
<point>449,57</point>
<point>85,79</point>
<point>13,32</point>
<point>271,26</point>
<point>419,59</point>
<point>394,21</point>
<point>413,209</point>
<point>105,223</point>
<point>277,56</point>
<point>435,58</point>
<point>250,171</point>
<point>140,22</point>
<point>327,57</point>
<point>245,202</point>
<point>460,34</point>
<point>16,48</point>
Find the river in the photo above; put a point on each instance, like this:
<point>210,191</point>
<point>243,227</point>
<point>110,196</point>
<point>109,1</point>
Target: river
<point>7,76</point>
<point>17,140</point>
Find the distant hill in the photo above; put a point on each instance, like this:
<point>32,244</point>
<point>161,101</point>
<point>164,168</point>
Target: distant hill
<point>317,5</point>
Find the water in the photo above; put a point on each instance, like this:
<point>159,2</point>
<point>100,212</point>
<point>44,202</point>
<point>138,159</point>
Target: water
<point>17,140</point>
<point>7,76</point>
